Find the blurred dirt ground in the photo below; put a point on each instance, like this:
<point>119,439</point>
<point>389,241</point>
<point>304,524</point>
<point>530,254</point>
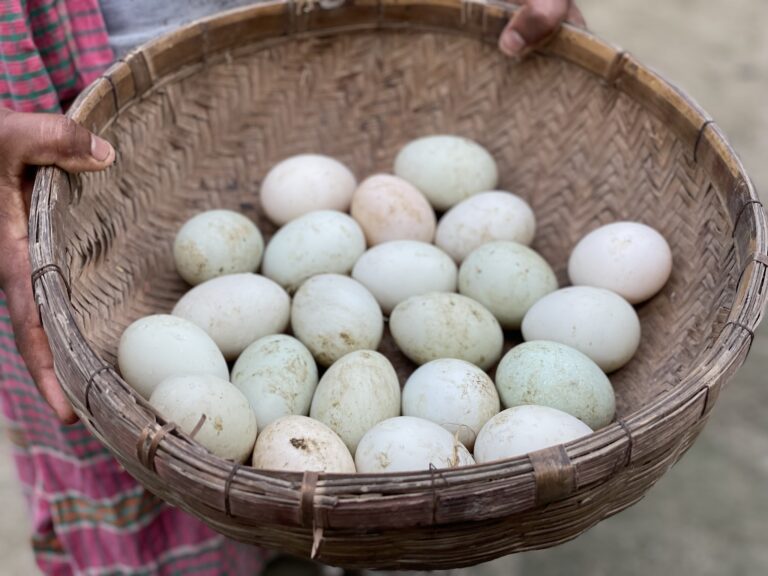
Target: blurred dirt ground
<point>709,515</point>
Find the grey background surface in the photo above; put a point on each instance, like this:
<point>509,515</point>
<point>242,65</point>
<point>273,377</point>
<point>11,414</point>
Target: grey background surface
<point>709,514</point>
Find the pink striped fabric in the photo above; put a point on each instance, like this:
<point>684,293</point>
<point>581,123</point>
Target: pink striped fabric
<point>88,515</point>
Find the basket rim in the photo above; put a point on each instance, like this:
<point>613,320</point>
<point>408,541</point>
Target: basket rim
<point>129,79</point>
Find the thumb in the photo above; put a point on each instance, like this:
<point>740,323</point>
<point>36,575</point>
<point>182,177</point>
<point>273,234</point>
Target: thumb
<point>531,24</point>
<point>48,139</point>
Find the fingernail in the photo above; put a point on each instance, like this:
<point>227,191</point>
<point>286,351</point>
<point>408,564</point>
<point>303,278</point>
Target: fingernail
<point>511,43</point>
<point>100,148</point>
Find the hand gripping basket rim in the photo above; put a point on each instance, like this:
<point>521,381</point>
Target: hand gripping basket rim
<point>324,515</point>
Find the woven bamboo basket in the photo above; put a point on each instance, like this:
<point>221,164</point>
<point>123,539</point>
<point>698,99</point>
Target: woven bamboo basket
<point>583,131</point>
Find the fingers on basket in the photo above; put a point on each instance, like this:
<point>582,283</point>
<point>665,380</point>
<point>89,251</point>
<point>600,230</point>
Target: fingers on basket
<point>47,139</point>
<point>32,341</point>
<point>534,22</point>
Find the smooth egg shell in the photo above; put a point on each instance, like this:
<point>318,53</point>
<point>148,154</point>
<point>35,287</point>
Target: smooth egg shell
<point>524,429</point>
<point>236,310</point>
<point>278,376</point>
<point>552,374</point>
<point>321,242</point>
<point>447,169</point>
<point>155,347</point>
<point>389,208</point>
<point>215,243</point>
<point>305,183</point>
<point>482,218</point>
<point>629,258</point>
<point>440,325</point>
<point>355,393</point>
<point>405,444</point>
<point>300,444</point>
<point>453,393</point>
<point>595,321</point>
<point>395,271</point>
<point>507,278</point>
<point>334,315</point>
<point>229,426</point>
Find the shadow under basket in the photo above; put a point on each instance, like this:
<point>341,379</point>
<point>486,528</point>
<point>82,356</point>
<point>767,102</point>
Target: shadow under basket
<point>581,130</point>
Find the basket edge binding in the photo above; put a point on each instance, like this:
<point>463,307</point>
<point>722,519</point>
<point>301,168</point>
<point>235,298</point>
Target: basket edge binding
<point>539,478</point>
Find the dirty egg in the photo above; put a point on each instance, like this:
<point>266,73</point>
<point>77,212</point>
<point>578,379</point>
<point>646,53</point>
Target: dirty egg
<point>278,376</point>
<point>442,325</point>
<point>355,393</point>
<point>299,444</point>
<point>333,315</point>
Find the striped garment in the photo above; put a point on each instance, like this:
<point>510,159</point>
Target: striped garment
<point>88,515</point>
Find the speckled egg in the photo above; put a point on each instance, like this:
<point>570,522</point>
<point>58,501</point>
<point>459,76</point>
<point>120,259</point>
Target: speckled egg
<point>440,325</point>
<point>355,393</point>
<point>595,321</point>
<point>453,393</point>
<point>447,169</point>
<point>389,208</point>
<point>300,444</point>
<point>316,243</point>
<point>156,347</point>
<point>524,429</point>
<point>405,444</point>
<point>334,315</point>
<point>485,217</point>
<point>305,183</point>
<point>278,376</point>
<point>629,258</point>
<point>224,420</point>
<point>215,243</point>
<point>558,376</point>
<point>395,271</point>
<point>236,310</point>
<point>507,278</point>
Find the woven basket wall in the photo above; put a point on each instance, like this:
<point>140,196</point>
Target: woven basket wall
<point>581,130</point>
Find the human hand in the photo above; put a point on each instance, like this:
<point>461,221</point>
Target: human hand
<point>28,140</point>
<point>534,21</point>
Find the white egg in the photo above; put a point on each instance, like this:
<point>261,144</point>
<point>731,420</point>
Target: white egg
<point>440,325</point>
<point>629,258</point>
<point>305,183</point>
<point>215,243</point>
<point>334,315</point>
<point>507,278</point>
<point>355,393</point>
<point>389,208</point>
<point>447,169</point>
<point>482,218</point>
<point>236,310</point>
<point>408,444</point>
<point>455,394</point>
<point>595,321</point>
<point>316,243</point>
<point>278,376</point>
<point>555,375</point>
<point>155,347</point>
<point>395,271</point>
<point>224,420</point>
<point>300,444</point>
<point>525,429</point>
